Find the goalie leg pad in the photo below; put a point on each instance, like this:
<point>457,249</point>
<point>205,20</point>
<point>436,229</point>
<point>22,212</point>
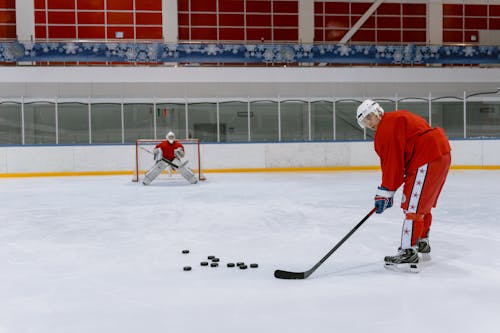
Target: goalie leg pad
<point>186,172</point>
<point>154,172</point>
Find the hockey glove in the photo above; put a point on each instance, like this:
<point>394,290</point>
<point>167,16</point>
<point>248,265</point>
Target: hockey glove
<point>179,153</point>
<point>383,199</point>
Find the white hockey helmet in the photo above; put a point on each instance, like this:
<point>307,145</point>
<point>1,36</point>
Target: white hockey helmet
<point>365,108</point>
<point>170,137</point>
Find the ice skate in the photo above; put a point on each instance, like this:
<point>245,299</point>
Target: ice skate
<point>405,260</point>
<point>424,248</point>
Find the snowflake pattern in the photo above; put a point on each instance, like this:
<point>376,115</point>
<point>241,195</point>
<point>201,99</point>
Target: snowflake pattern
<point>256,53</point>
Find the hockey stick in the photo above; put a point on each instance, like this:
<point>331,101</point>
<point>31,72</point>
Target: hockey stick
<point>303,275</point>
<point>163,158</point>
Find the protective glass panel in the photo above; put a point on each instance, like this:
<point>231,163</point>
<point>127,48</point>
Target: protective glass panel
<point>449,116</point>
<point>264,122</point>
<point>202,121</point>
<point>420,108</point>
<point>73,122</point>
<point>40,123</point>
<point>483,119</point>
<point>10,123</point>
<point>106,122</point>
<point>138,122</point>
<point>347,127</point>
<point>321,120</point>
<point>234,117</point>
<point>171,117</point>
<point>294,121</point>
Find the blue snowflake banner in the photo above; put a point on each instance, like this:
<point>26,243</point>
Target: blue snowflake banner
<point>237,53</point>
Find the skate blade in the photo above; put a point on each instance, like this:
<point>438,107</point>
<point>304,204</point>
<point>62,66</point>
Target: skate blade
<point>407,268</point>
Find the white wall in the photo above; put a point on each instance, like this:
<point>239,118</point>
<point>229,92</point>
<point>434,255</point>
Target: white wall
<point>118,158</point>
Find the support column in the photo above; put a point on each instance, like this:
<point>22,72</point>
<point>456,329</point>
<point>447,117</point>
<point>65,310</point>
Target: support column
<point>170,21</point>
<point>306,21</point>
<point>435,22</point>
<point>25,20</point>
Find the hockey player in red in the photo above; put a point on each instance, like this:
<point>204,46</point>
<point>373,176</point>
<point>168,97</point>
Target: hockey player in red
<point>416,155</point>
<point>169,154</point>
<point>171,147</point>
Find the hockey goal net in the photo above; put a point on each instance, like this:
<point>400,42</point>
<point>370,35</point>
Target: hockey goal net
<point>144,158</point>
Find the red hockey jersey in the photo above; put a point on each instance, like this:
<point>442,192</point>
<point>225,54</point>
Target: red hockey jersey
<point>405,141</point>
<point>168,149</point>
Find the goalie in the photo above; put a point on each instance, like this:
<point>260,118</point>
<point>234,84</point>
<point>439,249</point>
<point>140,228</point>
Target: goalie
<point>169,153</point>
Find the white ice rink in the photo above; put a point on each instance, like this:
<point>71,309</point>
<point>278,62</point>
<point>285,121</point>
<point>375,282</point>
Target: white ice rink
<point>103,255</point>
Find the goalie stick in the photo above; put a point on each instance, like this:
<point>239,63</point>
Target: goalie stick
<point>303,275</point>
<point>163,158</point>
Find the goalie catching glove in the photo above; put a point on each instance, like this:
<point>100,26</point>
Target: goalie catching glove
<point>383,199</point>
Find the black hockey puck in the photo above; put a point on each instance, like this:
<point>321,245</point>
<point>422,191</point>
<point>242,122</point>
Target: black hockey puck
<point>239,264</point>
<point>185,251</point>
<point>254,265</point>
<point>187,268</point>
<point>215,259</point>
<point>243,267</point>
<point>230,264</point>
<point>214,264</point>
<point>204,263</point>
<point>210,257</point>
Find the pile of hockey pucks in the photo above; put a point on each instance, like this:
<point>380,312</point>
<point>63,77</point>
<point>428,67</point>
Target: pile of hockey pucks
<point>214,262</point>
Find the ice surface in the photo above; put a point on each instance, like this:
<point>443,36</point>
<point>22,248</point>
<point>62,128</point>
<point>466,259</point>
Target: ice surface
<point>104,255</point>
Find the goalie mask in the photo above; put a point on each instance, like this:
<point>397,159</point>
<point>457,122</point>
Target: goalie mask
<point>170,137</point>
<point>366,108</point>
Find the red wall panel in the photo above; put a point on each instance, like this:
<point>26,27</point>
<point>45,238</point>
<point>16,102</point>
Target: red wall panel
<point>256,20</point>
<point>61,17</point>
<point>237,34</point>
<point>7,31</point>
<point>90,5</point>
<point>384,22</point>
<point>334,35</point>
<point>258,34</point>
<point>91,18</point>
<point>8,16</point>
<point>410,36</point>
<point>39,16</point>
<point>453,23</point>
<point>475,23</point>
<point>360,7</point>
<point>414,9</point>
<point>183,5</point>
<point>389,36</point>
<point>203,19</point>
<point>204,33</point>
<point>183,19</point>
<point>151,5</point>
<point>253,6</point>
<point>8,4</point>
<point>148,18</point>
<point>91,32</point>
<point>286,35</point>
<point>285,7</point>
<point>318,35</point>
<point>40,31</point>
<point>39,4</point>
<point>286,20</point>
<point>148,32</point>
<point>183,33</point>
<point>120,18</point>
<point>364,36</point>
<point>494,23</point>
<point>231,20</point>
<point>453,9</point>
<point>62,32</point>
<point>468,36</point>
<point>414,22</point>
<point>319,21</point>
<point>120,4</point>
<point>476,10</point>
<point>61,4</point>
<point>450,36</point>
<point>389,9</point>
<point>235,6</point>
<point>495,10</point>
<point>204,6</point>
<point>337,22</point>
<point>337,8</point>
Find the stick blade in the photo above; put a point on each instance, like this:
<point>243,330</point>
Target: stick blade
<point>279,274</point>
